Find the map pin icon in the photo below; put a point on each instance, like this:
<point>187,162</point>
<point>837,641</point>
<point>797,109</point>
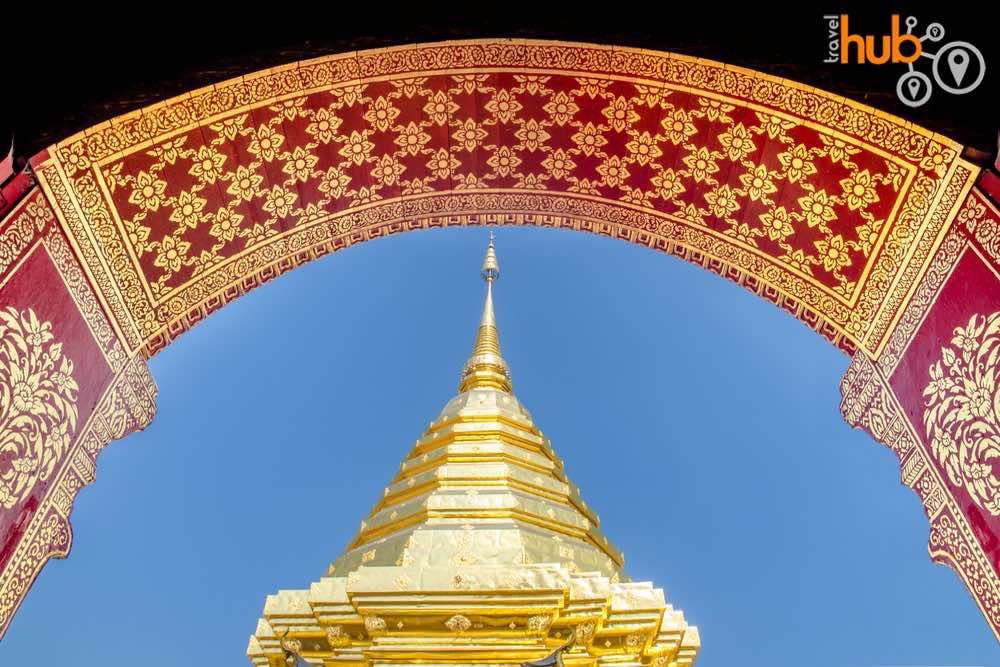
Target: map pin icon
<point>914,87</point>
<point>958,63</point>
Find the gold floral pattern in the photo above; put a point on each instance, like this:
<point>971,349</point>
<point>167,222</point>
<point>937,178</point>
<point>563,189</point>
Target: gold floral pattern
<point>962,414</point>
<point>37,403</point>
<point>458,623</point>
<point>634,130</point>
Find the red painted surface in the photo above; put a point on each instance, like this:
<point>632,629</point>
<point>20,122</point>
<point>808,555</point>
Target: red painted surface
<point>989,183</point>
<point>13,190</point>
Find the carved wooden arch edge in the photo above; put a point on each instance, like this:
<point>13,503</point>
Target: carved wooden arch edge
<point>930,215</point>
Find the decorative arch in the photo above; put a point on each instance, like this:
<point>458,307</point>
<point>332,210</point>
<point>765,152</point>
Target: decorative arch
<point>865,227</point>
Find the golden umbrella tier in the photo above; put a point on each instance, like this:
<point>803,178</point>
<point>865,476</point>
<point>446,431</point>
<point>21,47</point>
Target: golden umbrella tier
<point>481,551</point>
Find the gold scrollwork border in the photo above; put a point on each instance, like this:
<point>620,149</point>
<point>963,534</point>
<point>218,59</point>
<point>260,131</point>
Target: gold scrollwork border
<point>972,220</point>
<point>21,227</point>
<point>917,238</point>
<point>981,220</point>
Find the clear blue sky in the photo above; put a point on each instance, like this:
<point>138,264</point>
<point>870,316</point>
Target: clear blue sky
<point>701,423</point>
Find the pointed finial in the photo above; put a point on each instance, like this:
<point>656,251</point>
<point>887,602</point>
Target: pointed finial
<point>491,267</point>
<point>486,367</point>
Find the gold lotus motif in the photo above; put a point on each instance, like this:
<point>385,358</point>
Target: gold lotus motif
<point>37,403</point>
<point>962,410</point>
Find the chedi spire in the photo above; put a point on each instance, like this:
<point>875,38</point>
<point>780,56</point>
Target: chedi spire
<point>486,368</point>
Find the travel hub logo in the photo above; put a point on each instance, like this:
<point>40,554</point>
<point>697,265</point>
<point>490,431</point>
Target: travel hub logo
<point>957,67</point>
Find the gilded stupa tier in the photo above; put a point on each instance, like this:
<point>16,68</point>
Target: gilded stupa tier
<point>481,551</point>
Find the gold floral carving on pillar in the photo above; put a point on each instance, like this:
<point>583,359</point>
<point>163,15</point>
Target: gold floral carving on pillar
<point>458,623</point>
<point>962,413</point>
<point>37,403</point>
<point>336,636</point>
<point>374,624</point>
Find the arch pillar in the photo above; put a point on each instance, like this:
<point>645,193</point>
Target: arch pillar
<point>929,396</point>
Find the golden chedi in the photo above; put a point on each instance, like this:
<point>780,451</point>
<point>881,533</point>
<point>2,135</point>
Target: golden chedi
<point>481,551</point>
